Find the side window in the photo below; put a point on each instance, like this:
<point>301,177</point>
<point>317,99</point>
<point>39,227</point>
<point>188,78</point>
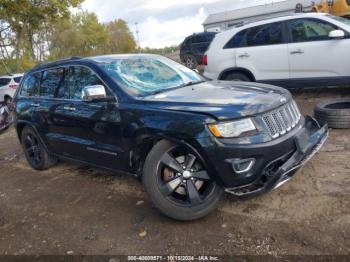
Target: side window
<point>306,30</point>
<point>237,40</point>
<point>270,34</point>
<point>4,81</point>
<point>199,39</point>
<point>50,81</point>
<point>17,79</point>
<point>76,78</point>
<point>30,85</point>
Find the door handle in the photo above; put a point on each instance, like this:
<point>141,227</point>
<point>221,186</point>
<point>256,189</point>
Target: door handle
<point>35,105</point>
<point>298,51</point>
<point>244,55</point>
<point>69,108</point>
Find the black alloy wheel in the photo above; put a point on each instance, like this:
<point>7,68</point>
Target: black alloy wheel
<point>178,184</point>
<point>34,151</point>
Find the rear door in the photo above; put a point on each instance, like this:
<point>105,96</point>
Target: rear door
<point>263,52</point>
<point>42,108</point>
<point>313,54</point>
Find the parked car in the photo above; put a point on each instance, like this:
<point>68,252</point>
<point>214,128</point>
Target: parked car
<point>193,48</point>
<point>188,139</point>
<point>302,50</point>
<point>8,86</point>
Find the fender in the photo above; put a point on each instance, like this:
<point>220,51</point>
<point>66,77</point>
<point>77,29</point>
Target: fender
<point>27,123</point>
<point>180,141</point>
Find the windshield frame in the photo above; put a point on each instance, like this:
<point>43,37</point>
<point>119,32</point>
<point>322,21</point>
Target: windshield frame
<point>182,71</point>
<point>341,20</point>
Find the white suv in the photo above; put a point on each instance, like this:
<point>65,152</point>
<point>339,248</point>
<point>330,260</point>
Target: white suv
<point>8,86</point>
<point>301,50</point>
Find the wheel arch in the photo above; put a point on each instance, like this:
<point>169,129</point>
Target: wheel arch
<point>21,124</point>
<point>144,145</point>
<point>242,70</point>
<point>6,96</point>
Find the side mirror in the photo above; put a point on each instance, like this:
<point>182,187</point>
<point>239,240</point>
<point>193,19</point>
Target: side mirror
<point>95,92</point>
<point>336,34</point>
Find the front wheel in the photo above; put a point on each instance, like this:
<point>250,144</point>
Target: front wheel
<point>177,183</point>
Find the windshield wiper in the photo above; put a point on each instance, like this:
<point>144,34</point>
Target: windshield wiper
<point>177,87</point>
<point>193,83</point>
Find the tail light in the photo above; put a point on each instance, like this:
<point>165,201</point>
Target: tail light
<point>205,60</point>
<point>13,86</point>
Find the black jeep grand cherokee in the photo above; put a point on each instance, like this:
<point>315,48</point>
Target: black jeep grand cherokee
<point>188,139</point>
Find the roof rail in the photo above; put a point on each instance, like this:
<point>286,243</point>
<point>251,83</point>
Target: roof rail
<point>249,21</point>
<point>56,61</point>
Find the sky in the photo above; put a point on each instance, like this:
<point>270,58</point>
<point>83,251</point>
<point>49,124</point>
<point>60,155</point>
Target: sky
<point>163,22</point>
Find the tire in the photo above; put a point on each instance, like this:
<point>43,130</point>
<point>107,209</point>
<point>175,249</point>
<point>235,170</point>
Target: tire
<point>191,62</point>
<point>175,201</point>
<point>335,113</point>
<point>7,100</point>
<point>236,76</point>
<point>34,151</point>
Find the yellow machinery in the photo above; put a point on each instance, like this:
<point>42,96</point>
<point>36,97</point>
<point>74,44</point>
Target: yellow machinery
<point>334,7</point>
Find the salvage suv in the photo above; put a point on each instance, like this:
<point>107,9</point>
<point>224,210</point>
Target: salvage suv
<point>188,139</point>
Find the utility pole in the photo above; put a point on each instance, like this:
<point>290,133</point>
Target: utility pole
<point>138,37</point>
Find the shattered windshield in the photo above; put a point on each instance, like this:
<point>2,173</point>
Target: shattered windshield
<point>147,75</point>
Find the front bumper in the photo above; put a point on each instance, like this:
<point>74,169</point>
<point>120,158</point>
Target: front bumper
<point>277,161</point>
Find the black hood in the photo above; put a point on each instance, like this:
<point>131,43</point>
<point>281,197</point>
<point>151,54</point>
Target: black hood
<point>222,99</point>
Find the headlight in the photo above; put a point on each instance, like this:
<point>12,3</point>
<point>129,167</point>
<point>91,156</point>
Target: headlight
<point>232,129</point>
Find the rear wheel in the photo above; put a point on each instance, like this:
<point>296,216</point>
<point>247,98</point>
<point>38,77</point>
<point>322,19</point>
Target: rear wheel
<point>8,101</point>
<point>191,62</point>
<point>34,151</point>
<point>178,184</point>
<point>236,76</point>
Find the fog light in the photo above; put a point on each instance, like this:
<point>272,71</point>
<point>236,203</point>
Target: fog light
<point>242,165</point>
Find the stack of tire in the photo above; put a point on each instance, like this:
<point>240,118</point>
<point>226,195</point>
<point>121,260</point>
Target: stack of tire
<point>335,113</point>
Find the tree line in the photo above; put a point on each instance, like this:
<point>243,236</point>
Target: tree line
<point>34,31</point>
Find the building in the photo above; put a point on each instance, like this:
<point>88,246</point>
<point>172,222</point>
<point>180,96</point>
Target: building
<point>224,20</point>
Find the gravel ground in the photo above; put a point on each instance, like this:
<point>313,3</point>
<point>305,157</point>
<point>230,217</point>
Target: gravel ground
<point>74,209</point>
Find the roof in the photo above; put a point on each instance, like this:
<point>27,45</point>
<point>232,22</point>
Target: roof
<point>11,75</point>
<point>254,11</point>
<point>272,20</point>
<point>97,59</point>
<point>54,63</point>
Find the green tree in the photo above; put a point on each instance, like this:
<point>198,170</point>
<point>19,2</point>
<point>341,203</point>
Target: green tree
<point>121,39</point>
<point>27,17</point>
<point>79,35</point>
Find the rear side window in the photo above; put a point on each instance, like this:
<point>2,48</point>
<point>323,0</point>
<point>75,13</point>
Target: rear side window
<point>4,81</point>
<point>306,30</point>
<point>17,79</point>
<point>199,39</point>
<point>210,37</point>
<point>270,34</point>
<point>76,78</point>
<point>238,40</point>
<point>50,82</point>
<point>30,85</point>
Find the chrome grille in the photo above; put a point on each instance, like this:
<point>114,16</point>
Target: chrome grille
<point>282,120</point>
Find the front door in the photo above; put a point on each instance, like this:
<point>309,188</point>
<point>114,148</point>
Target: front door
<point>87,131</point>
<point>312,54</point>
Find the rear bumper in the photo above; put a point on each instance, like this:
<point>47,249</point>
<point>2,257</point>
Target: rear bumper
<point>274,162</point>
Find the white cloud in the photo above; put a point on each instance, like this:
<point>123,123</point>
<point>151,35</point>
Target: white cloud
<point>163,22</point>
<point>164,4</point>
<point>159,34</point>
